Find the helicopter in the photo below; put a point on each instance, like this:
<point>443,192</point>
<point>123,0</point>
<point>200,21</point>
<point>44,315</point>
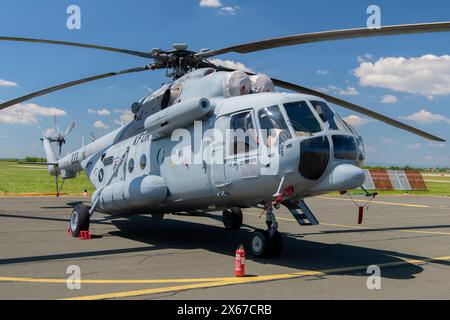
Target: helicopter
<point>214,138</point>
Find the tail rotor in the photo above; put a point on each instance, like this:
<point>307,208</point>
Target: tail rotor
<point>60,137</point>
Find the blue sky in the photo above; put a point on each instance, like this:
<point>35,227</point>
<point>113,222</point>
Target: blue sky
<point>405,77</point>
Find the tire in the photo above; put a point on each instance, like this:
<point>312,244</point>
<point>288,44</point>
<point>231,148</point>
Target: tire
<point>259,244</point>
<point>79,220</point>
<point>276,245</point>
<point>232,218</point>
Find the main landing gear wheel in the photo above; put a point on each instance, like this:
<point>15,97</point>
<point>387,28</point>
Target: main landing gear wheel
<point>265,246</point>
<point>232,218</point>
<point>79,220</point>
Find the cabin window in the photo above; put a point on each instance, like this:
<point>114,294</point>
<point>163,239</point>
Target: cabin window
<point>171,96</point>
<point>243,136</point>
<point>273,126</point>
<point>130,165</point>
<point>302,118</point>
<point>143,162</point>
<point>101,174</point>
<point>328,117</point>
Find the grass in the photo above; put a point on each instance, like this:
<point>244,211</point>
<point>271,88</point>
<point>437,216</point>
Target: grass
<point>434,189</point>
<point>16,178</point>
<point>32,179</point>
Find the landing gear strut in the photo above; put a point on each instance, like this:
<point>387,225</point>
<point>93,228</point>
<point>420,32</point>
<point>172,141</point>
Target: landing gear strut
<point>232,218</point>
<point>79,220</point>
<point>268,243</point>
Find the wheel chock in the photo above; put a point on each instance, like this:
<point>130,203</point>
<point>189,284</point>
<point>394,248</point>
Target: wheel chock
<point>85,235</point>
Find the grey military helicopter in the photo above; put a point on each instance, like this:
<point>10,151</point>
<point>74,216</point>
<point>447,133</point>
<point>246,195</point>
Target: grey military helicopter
<point>214,138</point>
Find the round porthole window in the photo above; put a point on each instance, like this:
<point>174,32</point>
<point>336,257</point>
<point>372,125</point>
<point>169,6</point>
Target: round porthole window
<point>160,157</point>
<point>143,162</point>
<point>101,174</point>
<point>130,166</point>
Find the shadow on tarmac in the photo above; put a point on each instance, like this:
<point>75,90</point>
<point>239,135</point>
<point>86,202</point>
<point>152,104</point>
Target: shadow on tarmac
<point>298,253</point>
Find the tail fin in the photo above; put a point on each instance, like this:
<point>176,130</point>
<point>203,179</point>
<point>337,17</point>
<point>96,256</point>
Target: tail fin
<point>50,156</point>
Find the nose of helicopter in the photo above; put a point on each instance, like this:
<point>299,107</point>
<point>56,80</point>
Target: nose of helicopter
<point>331,162</point>
<point>346,177</point>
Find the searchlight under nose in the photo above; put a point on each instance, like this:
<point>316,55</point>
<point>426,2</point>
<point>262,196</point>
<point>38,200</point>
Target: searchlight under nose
<point>343,177</point>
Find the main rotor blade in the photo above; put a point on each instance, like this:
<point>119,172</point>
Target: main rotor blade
<point>70,84</point>
<point>55,120</point>
<point>80,45</point>
<point>331,35</point>
<point>356,108</point>
<point>69,129</point>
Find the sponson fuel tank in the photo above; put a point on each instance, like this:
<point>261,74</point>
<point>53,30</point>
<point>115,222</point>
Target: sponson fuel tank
<point>138,193</point>
<point>180,115</point>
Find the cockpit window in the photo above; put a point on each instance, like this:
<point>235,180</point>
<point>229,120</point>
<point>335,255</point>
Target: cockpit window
<point>302,118</point>
<point>273,126</point>
<point>329,118</point>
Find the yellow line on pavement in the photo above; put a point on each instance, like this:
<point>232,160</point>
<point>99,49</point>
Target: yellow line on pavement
<point>362,228</point>
<point>112,281</point>
<point>383,202</point>
<point>250,280</point>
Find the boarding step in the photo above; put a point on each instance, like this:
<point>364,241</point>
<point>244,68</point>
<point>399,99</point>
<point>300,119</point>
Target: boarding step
<point>304,217</point>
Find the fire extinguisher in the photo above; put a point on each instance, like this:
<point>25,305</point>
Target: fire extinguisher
<point>239,266</point>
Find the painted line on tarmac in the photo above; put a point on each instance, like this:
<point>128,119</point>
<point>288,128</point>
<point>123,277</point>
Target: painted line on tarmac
<point>112,281</point>
<point>252,280</point>
<point>372,228</point>
<point>384,202</point>
<point>362,228</point>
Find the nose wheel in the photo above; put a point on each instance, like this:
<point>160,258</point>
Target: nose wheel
<point>268,243</point>
<point>265,246</point>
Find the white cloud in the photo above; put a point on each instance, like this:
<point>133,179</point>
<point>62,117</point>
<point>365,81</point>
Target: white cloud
<point>125,116</point>
<point>428,75</point>
<point>349,91</point>
<point>356,121</point>
<point>228,11</point>
<point>28,113</point>
<point>2,136</point>
<point>437,145</point>
<point>437,159</point>
<point>102,112</point>
<point>389,99</point>
<point>426,117</point>
<point>223,10</point>
<point>429,158</point>
<point>323,72</point>
<point>100,125</point>
<point>365,58</point>
<point>49,132</point>
<point>415,146</point>
<point>210,3</point>
<point>6,83</point>
<point>231,64</point>
<point>388,141</point>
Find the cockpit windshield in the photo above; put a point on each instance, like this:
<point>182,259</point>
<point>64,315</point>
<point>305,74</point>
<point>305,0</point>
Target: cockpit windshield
<point>273,125</point>
<point>302,118</point>
<point>330,120</point>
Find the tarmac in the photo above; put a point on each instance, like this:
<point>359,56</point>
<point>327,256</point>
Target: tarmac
<point>192,257</point>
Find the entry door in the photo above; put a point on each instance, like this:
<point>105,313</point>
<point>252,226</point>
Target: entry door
<point>217,156</point>
<point>241,154</point>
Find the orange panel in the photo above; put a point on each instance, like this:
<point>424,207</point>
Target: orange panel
<point>415,179</point>
<point>381,179</point>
